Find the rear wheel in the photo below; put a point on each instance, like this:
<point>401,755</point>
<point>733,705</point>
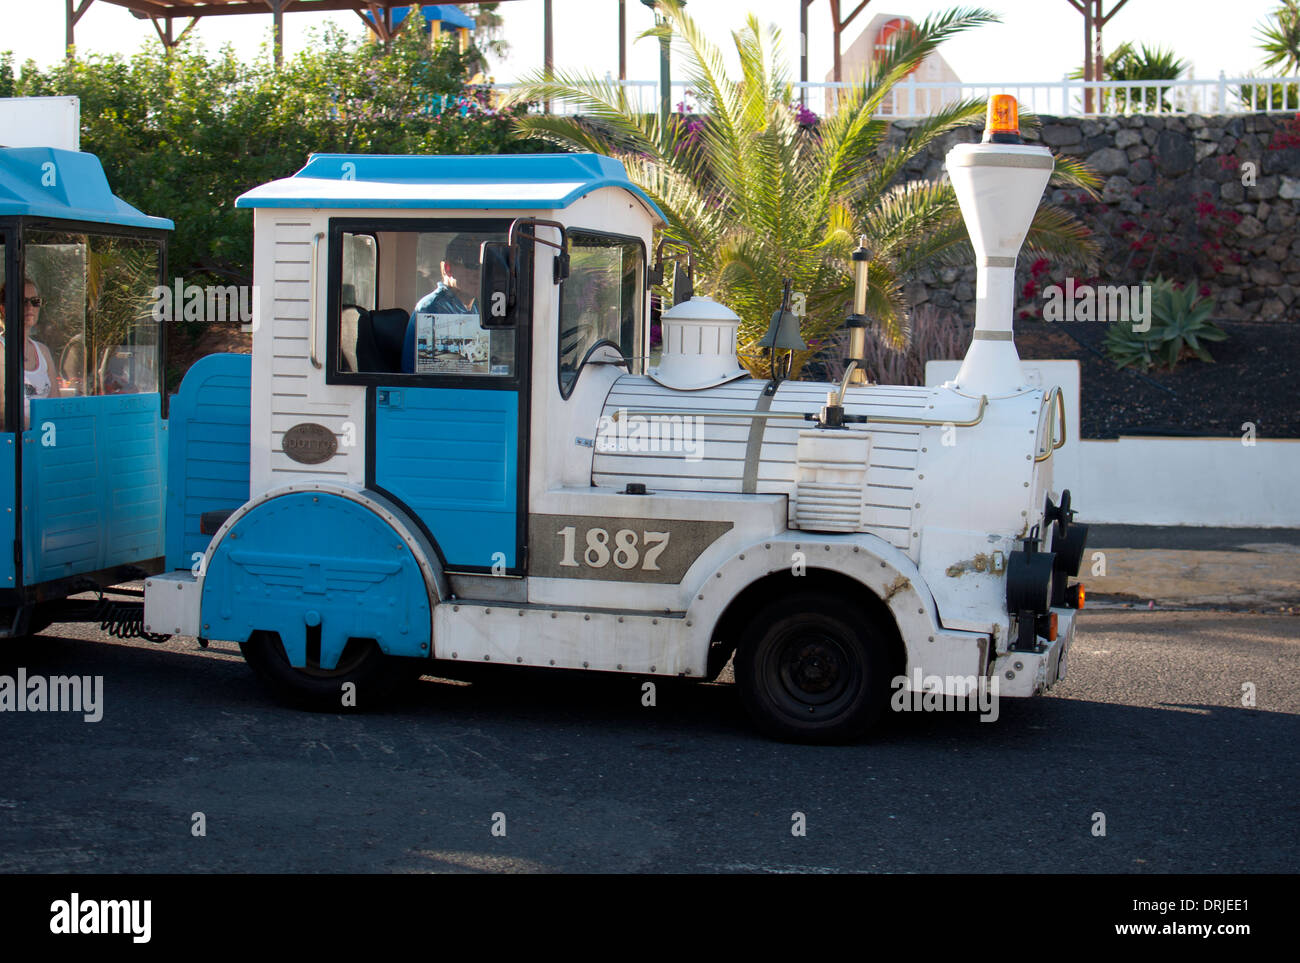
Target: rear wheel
<point>364,677</point>
<point>812,668</point>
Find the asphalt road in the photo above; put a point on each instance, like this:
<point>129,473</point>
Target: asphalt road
<point>1148,729</point>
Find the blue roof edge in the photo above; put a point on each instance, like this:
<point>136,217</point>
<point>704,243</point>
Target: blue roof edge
<point>595,171</point>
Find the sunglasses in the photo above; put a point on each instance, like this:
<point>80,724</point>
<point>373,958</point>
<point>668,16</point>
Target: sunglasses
<point>34,302</point>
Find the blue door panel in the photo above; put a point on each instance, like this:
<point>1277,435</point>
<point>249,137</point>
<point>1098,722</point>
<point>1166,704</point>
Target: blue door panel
<point>451,455</point>
<point>94,473</point>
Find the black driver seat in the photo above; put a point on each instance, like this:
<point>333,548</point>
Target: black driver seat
<point>379,339</point>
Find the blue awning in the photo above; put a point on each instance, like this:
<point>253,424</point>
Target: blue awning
<point>64,184</point>
<point>461,181</point>
<point>443,12</point>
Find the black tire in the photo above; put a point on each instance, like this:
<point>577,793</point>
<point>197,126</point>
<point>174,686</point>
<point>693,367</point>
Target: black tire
<point>812,668</point>
<point>375,677</point>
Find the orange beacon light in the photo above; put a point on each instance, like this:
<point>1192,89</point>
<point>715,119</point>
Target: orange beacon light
<point>1002,123</point>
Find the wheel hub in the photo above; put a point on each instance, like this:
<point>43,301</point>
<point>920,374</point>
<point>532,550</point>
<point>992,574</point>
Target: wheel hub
<point>812,670</point>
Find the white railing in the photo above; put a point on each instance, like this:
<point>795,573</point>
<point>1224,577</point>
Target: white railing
<point>642,96</point>
<point>1063,98</point>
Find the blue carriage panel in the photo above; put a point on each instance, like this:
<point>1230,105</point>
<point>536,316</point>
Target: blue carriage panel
<point>208,452</point>
<point>316,560</point>
<point>94,472</point>
<point>451,456</point>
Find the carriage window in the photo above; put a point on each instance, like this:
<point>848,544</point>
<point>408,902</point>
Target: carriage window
<point>601,300</point>
<point>408,305</point>
<point>89,322</point>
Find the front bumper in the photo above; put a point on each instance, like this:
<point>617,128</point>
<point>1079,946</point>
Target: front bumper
<point>171,604</point>
<point>1022,674</point>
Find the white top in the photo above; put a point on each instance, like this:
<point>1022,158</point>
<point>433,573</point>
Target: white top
<point>38,379</point>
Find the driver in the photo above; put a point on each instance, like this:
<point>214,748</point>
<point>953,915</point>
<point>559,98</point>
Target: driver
<point>457,293</point>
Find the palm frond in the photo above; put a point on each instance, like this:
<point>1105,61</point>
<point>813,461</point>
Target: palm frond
<point>903,215</point>
<point>848,136</point>
<point>1057,234</point>
<point>1073,172</point>
<point>604,102</point>
<point>565,131</point>
<point>930,129</point>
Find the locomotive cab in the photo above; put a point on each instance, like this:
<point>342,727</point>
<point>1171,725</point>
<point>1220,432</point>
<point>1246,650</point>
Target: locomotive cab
<point>82,471</point>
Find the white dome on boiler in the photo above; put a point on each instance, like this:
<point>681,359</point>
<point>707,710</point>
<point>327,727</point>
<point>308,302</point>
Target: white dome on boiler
<point>699,346</point>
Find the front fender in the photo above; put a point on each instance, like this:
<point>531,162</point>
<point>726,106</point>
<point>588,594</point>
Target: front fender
<point>321,564</point>
<point>874,564</point>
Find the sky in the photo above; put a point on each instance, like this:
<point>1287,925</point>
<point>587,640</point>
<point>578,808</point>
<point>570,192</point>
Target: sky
<point>1038,40</point>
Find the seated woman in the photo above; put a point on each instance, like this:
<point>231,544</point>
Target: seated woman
<point>38,364</point>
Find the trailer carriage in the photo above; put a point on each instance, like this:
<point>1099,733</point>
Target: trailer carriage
<point>525,484</point>
<point>82,430</point>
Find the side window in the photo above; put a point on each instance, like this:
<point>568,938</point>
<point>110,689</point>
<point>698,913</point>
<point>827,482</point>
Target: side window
<point>360,270</point>
<point>89,325</point>
<point>360,278</point>
<point>407,302</point>
<point>601,300</point>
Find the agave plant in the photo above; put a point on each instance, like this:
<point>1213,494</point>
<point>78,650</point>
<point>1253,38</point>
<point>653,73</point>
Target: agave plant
<point>1180,326</point>
<point>760,196</point>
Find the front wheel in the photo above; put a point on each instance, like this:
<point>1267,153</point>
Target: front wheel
<point>812,668</point>
<point>364,677</point>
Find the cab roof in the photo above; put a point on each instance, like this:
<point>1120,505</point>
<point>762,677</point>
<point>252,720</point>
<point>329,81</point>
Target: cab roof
<point>73,188</point>
<point>464,181</point>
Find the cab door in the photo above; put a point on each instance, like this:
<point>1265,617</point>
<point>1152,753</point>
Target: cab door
<point>452,456</point>
<point>446,399</point>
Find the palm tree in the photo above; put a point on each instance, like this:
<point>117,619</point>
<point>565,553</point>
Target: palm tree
<point>1280,39</point>
<point>1127,62</point>
<point>761,197</point>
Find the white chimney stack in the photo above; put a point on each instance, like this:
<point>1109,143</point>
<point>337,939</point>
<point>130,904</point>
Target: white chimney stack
<point>998,186</point>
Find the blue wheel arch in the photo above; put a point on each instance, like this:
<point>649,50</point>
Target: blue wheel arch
<point>319,567</point>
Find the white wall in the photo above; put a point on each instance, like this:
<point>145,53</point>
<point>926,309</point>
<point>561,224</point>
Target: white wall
<point>40,122</point>
<point>1165,481</point>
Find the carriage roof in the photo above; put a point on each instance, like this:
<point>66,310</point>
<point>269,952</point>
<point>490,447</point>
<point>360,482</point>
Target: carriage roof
<point>66,184</point>
<point>543,182</point>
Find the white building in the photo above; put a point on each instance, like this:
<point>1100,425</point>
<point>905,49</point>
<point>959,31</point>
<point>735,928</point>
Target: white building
<point>872,44</point>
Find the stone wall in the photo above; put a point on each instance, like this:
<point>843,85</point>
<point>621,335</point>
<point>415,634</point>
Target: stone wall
<point>1207,200</point>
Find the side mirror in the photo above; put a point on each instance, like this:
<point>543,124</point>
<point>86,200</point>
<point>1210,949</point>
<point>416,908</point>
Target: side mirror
<point>683,280</point>
<point>497,285</point>
<point>683,284</point>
